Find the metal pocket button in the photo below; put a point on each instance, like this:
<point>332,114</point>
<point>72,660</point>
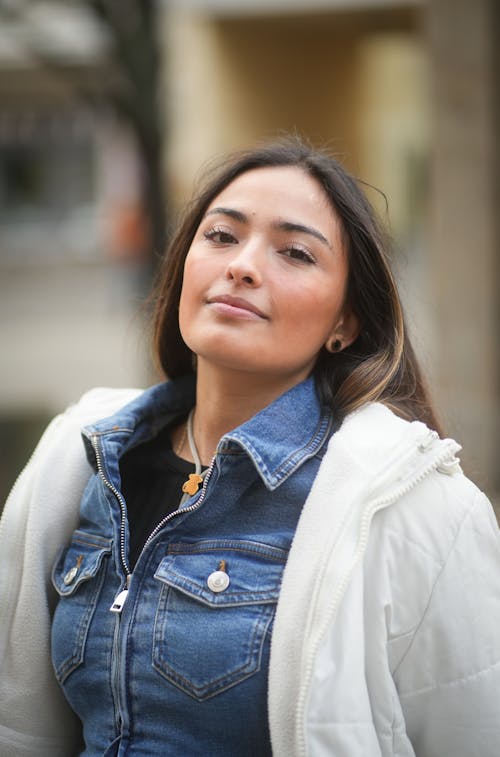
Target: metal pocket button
<point>218,581</point>
<point>73,572</point>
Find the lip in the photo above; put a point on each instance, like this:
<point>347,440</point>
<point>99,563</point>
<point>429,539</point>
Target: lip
<point>237,306</point>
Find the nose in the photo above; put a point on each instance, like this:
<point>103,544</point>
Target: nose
<point>245,266</point>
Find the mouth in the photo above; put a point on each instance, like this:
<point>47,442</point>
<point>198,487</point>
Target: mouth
<point>235,306</point>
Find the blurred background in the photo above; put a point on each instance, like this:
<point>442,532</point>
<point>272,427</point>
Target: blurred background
<point>108,109</point>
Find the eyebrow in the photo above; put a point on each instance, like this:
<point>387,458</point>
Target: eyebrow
<point>281,225</point>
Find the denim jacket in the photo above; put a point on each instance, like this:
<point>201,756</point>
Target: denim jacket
<point>385,640</point>
<point>181,667</point>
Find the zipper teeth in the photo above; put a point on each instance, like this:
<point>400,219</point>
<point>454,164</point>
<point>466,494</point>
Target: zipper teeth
<point>368,514</point>
<point>116,688</point>
<point>194,506</point>
<point>121,502</point>
<point>123,509</point>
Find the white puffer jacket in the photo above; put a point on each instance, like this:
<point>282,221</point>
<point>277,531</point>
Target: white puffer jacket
<point>387,632</point>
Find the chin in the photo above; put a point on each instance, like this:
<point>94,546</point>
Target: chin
<point>231,352</point>
<point>238,363</point>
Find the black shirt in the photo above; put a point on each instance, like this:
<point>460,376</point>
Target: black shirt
<point>152,476</point>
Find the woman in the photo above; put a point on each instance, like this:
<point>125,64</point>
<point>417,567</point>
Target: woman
<point>273,552</point>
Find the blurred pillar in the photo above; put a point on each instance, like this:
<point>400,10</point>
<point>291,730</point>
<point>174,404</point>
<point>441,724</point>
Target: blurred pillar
<point>463,38</point>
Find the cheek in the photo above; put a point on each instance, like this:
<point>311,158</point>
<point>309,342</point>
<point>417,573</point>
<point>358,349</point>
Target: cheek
<point>198,276</point>
<point>313,312</point>
<point>187,313</point>
<point>186,301</point>
<point>191,282</point>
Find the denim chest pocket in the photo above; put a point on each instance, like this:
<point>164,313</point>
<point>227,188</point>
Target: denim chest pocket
<point>216,605</point>
<point>77,577</point>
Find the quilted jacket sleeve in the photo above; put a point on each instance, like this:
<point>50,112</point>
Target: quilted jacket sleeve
<point>449,679</point>
<point>34,717</point>
<point>39,517</point>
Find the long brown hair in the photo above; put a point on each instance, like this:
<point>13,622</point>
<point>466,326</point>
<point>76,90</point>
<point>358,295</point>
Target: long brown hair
<point>381,364</point>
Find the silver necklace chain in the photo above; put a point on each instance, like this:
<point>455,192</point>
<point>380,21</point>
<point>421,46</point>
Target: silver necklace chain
<point>192,444</point>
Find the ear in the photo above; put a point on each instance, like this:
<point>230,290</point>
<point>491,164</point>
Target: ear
<point>344,333</point>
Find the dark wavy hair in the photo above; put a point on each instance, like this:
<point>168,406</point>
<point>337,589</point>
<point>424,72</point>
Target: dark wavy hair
<point>381,364</point>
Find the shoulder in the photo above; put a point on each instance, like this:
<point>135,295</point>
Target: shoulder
<point>62,437</point>
<point>435,540</point>
<point>406,465</point>
<point>100,402</point>
<point>429,521</point>
<point>43,503</point>
<point>94,405</point>
<point>374,432</point>
<point>435,500</point>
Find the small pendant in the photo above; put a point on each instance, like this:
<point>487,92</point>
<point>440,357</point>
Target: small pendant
<point>192,485</point>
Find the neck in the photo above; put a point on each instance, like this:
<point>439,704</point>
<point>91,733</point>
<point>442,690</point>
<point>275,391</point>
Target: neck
<point>226,399</point>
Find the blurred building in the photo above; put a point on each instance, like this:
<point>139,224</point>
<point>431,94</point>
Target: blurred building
<point>70,226</point>
<point>403,91</point>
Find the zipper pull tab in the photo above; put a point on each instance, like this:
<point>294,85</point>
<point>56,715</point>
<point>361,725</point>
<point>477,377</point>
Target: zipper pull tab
<point>120,598</point>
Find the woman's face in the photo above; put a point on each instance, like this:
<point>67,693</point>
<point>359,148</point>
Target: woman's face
<point>265,277</point>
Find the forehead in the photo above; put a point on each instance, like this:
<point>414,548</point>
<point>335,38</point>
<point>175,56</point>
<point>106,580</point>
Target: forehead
<point>285,191</point>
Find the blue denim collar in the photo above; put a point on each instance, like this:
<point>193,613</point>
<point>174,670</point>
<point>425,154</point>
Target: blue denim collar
<point>284,434</point>
<point>278,439</point>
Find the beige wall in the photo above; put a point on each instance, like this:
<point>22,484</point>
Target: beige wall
<point>231,82</point>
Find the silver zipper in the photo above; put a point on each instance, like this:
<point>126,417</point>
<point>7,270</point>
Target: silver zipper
<point>192,507</point>
<point>121,502</point>
<point>121,597</point>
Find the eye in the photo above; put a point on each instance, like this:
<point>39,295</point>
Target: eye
<point>219,236</point>
<point>299,254</point>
